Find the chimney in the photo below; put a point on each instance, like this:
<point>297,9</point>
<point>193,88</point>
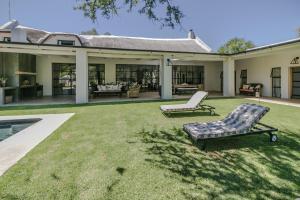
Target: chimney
<point>191,34</point>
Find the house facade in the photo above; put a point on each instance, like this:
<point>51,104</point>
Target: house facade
<point>37,63</point>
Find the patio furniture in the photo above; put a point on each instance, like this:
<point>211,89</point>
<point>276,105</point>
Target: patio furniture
<point>108,90</point>
<point>251,88</point>
<point>187,88</point>
<point>134,91</point>
<point>244,120</point>
<point>192,105</point>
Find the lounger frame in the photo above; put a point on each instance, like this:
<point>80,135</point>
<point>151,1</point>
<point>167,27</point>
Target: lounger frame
<point>200,106</point>
<point>259,128</point>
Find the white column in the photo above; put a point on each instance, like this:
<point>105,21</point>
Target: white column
<point>166,79</point>
<point>82,94</point>
<point>228,78</point>
<point>285,82</point>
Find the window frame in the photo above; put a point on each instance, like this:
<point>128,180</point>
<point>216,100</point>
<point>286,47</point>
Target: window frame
<point>97,75</point>
<point>132,73</point>
<point>188,72</point>
<point>6,39</point>
<point>273,79</point>
<point>60,42</point>
<point>244,77</point>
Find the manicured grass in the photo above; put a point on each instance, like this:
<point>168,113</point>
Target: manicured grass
<point>131,151</point>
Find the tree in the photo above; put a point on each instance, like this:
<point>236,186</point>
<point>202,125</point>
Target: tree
<point>235,45</point>
<point>109,8</point>
<point>93,31</point>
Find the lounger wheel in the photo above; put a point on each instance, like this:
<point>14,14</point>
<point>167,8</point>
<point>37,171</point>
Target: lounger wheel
<point>273,138</point>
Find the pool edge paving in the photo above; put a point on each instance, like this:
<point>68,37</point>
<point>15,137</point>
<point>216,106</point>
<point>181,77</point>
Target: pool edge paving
<point>17,146</point>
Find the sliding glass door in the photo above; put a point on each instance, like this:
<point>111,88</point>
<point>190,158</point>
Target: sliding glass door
<point>188,74</point>
<point>63,79</point>
<point>145,75</point>
<point>276,82</point>
<point>296,83</point>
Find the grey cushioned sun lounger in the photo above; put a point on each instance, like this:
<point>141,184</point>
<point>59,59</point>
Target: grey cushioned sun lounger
<point>195,103</point>
<point>243,120</point>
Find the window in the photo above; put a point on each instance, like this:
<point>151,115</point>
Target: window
<point>243,77</point>
<point>6,39</point>
<point>66,42</point>
<point>189,74</point>
<point>145,75</point>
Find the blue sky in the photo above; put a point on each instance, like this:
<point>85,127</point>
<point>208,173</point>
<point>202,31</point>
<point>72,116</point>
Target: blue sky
<point>215,21</point>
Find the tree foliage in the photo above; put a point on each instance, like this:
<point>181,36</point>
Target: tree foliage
<point>150,8</point>
<point>235,45</point>
<point>93,31</point>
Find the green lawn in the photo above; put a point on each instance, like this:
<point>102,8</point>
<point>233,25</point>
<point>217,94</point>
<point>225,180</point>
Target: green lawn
<point>131,151</point>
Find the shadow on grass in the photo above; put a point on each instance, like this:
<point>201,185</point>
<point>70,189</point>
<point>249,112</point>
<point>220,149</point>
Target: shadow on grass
<point>238,167</point>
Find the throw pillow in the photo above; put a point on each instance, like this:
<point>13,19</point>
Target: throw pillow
<point>103,88</point>
<point>245,87</point>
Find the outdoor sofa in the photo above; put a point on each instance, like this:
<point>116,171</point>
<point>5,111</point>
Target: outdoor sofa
<point>244,120</point>
<point>251,88</point>
<point>195,103</point>
<point>108,90</point>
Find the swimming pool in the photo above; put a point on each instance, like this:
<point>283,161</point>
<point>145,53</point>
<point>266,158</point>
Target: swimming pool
<point>11,127</point>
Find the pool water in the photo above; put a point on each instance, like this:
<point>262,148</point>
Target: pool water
<point>11,127</point>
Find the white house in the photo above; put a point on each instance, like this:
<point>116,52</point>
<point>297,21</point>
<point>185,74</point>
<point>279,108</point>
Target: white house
<point>78,65</point>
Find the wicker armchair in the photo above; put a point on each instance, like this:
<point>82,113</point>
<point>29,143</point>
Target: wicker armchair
<point>134,92</point>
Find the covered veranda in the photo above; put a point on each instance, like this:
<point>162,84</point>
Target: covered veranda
<point>82,58</point>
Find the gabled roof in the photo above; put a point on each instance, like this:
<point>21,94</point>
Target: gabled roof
<point>9,25</point>
<point>33,35</point>
<point>193,45</point>
<point>43,39</point>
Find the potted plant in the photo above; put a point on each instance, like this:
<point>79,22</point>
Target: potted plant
<point>3,80</point>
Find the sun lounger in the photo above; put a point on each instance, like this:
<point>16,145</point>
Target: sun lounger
<point>244,120</point>
<point>195,103</point>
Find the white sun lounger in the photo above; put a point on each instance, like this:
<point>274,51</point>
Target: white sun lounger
<point>192,105</point>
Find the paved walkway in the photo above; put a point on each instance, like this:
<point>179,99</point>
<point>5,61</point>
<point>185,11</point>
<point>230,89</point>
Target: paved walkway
<point>287,102</point>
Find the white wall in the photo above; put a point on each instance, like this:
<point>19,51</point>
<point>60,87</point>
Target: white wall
<point>259,70</point>
<point>19,35</point>
<point>212,72</point>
